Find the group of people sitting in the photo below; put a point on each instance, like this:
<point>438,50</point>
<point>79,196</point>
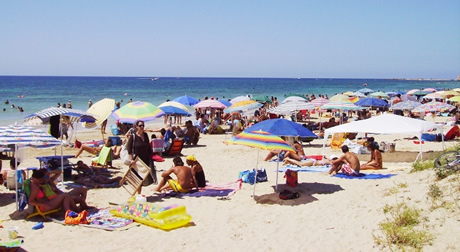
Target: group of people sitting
<point>348,162</point>
<point>188,177</point>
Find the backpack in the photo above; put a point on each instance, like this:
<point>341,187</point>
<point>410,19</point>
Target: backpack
<point>286,194</point>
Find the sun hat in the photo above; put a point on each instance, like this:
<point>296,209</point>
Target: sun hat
<point>191,158</point>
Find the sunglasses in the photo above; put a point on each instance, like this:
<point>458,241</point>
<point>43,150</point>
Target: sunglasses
<point>141,125</point>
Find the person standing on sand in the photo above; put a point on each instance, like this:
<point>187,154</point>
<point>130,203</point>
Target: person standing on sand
<point>348,162</point>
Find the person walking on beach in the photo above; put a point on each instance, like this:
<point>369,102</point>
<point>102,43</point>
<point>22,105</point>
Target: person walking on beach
<point>348,163</point>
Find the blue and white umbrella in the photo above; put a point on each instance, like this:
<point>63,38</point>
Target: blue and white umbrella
<point>186,100</point>
<point>174,108</point>
<point>44,115</point>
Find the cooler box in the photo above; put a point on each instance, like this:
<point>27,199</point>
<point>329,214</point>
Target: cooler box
<point>116,140</point>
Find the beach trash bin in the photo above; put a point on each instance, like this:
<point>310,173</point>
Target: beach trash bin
<point>392,147</point>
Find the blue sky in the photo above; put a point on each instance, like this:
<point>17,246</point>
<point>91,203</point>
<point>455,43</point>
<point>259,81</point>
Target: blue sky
<point>311,39</point>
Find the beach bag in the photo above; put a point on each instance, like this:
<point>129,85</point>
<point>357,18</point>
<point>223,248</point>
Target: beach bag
<point>287,195</point>
<point>261,175</point>
<point>247,176</point>
<point>73,218</point>
<point>291,178</point>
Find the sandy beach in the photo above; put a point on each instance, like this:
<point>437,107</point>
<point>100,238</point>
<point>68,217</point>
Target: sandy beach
<point>331,214</point>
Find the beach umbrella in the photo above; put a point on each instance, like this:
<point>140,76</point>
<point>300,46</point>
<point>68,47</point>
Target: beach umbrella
<point>44,115</point>
<point>23,136</point>
<point>454,99</point>
<point>210,104</point>
<point>101,111</point>
<point>433,107</point>
<point>186,100</point>
<point>281,127</point>
<point>174,108</point>
<point>430,90</point>
<point>262,98</point>
<point>243,106</point>
<point>339,98</point>
<point>358,94</point>
<point>420,93</point>
<point>138,110</point>
<point>240,98</point>
<point>379,94</point>
<point>450,93</point>
<point>226,103</point>
<point>366,90</point>
<point>456,89</point>
<point>348,93</point>
<point>295,94</point>
<point>371,102</point>
<point>294,106</point>
<point>261,140</point>
<point>432,96</point>
<point>406,105</point>
<point>295,99</point>
<point>345,105</point>
<point>318,102</point>
<point>410,92</point>
<point>391,93</point>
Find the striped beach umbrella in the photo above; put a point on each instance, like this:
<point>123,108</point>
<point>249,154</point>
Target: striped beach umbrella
<point>240,98</point>
<point>44,115</point>
<point>134,111</point>
<point>174,108</point>
<point>18,135</point>
<point>294,99</point>
<point>344,105</point>
<point>243,106</point>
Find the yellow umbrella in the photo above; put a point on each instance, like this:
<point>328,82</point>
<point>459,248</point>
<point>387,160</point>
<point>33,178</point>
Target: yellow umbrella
<point>450,93</point>
<point>454,99</point>
<point>101,110</point>
<point>349,93</point>
<point>339,98</point>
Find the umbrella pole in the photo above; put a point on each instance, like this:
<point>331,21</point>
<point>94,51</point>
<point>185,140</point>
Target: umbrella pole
<point>16,171</point>
<point>62,165</point>
<point>277,171</point>
<point>255,177</point>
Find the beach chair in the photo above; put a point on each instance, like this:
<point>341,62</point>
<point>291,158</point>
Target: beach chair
<point>337,140</point>
<point>135,176</point>
<point>36,211</point>
<point>105,157</point>
<point>175,148</point>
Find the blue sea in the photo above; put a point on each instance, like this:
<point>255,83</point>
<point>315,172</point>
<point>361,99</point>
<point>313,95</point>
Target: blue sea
<point>34,93</point>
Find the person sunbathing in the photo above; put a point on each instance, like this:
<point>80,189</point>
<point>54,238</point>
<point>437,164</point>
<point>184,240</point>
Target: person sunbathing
<point>348,163</point>
<point>183,174</point>
<point>307,162</point>
<point>45,198</point>
<point>198,177</point>
<point>299,152</point>
<point>376,161</point>
<point>95,150</point>
<point>273,153</point>
<point>98,181</point>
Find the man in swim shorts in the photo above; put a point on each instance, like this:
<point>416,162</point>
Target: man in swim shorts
<point>183,174</point>
<point>348,162</point>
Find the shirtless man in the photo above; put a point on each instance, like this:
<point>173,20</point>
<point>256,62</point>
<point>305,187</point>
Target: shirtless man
<point>183,174</point>
<point>348,162</point>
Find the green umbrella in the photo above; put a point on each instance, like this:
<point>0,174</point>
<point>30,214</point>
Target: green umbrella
<point>262,98</point>
<point>380,93</point>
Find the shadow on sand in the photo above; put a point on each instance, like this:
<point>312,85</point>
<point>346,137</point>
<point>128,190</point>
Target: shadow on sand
<point>306,190</point>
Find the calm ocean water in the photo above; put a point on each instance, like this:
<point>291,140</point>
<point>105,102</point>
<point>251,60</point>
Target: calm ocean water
<point>43,92</point>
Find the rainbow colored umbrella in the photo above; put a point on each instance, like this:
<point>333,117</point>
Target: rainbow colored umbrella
<point>134,111</point>
<point>262,140</point>
<point>243,106</point>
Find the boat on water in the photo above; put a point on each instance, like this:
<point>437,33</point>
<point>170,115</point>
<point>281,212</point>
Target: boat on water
<point>154,79</point>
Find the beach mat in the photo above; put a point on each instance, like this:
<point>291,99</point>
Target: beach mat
<point>103,219</point>
<point>211,190</point>
<point>364,176</point>
<point>324,168</point>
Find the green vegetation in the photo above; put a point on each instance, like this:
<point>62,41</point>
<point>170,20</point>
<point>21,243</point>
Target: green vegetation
<point>401,228</point>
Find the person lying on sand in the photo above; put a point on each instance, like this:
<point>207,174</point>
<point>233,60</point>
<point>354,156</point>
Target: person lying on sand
<point>95,150</point>
<point>348,163</point>
<point>98,181</point>
<point>376,161</point>
<point>183,174</point>
<point>307,162</point>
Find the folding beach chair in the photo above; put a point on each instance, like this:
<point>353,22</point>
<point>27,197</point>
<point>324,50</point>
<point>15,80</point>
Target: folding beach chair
<point>26,188</point>
<point>175,148</point>
<point>135,175</point>
<point>105,157</point>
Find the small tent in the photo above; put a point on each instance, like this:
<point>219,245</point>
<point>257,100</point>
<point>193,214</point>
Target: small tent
<point>385,124</point>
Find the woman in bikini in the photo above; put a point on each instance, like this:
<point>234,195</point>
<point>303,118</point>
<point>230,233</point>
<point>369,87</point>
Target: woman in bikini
<point>376,161</point>
<point>198,177</point>
<point>96,150</point>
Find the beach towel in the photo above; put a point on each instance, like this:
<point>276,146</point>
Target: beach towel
<point>364,176</point>
<point>103,219</point>
<point>225,190</point>
<point>324,168</point>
